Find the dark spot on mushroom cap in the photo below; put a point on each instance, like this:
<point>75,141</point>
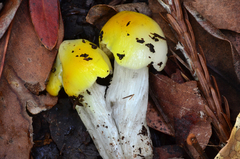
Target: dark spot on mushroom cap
<point>101,35</point>
<point>140,41</point>
<point>76,55</point>
<point>160,64</point>
<point>128,34</point>
<point>151,47</point>
<point>72,51</point>
<point>156,37</point>
<point>87,59</point>
<point>120,56</point>
<point>128,23</point>
<point>123,137</point>
<point>83,41</point>
<point>93,46</point>
<point>97,125</point>
<point>84,55</point>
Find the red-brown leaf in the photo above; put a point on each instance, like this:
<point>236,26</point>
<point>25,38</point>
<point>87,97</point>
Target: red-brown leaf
<point>45,18</point>
<point>184,108</point>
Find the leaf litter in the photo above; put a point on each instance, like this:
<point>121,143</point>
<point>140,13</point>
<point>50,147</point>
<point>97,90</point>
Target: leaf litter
<point>176,112</point>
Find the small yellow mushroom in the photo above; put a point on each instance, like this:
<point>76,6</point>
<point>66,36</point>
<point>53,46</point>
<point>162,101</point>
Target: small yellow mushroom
<point>78,65</point>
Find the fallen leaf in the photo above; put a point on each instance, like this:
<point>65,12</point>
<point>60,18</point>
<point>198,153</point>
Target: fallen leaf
<point>7,14</point>
<point>223,14</point>
<point>16,124</point>
<point>98,15</point>
<point>156,121</point>
<point>234,37</point>
<point>231,149</point>
<point>45,18</point>
<point>222,57</point>
<point>183,107</point>
<point>26,55</point>
<point>218,49</point>
<point>27,62</point>
<point>169,151</point>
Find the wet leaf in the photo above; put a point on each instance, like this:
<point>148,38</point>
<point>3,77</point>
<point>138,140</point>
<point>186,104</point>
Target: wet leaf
<point>223,14</point>
<point>231,149</point>
<point>7,14</point>
<point>45,18</point>
<point>183,108</point>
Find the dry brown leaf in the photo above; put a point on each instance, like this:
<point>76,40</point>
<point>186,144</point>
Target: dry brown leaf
<point>26,69</point>
<point>156,121</point>
<point>232,149</point>
<point>7,14</point>
<point>222,58</point>
<point>98,15</point>
<point>184,108</point>
<point>223,14</point>
<point>218,49</point>
<point>169,151</point>
<point>234,37</point>
<point>16,124</point>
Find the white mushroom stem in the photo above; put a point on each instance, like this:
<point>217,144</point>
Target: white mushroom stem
<point>128,97</point>
<point>97,117</point>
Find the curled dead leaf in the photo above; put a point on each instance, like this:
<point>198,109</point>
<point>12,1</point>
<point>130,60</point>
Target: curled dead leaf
<point>231,149</point>
<point>98,15</point>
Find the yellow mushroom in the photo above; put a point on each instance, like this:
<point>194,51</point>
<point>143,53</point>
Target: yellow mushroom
<point>136,41</point>
<point>78,64</point>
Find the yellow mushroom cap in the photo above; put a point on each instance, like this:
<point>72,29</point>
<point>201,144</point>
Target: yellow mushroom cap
<point>55,79</point>
<point>135,40</point>
<point>82,62</point>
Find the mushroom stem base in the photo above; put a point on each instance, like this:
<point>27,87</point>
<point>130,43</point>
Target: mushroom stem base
<point>97,117</point>
<point>128,97</point>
